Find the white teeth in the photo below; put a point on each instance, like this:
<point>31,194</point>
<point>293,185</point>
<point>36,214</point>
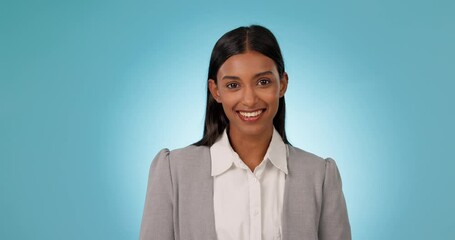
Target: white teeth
<point>251,114</point>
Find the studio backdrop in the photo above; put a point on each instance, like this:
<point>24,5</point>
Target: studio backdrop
<point>90,91</point>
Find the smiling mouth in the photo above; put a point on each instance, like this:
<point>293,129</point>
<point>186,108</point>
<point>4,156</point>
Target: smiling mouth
<point>250,116</point>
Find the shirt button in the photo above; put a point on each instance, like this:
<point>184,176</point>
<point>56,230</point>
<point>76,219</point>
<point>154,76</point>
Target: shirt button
<point>256,212</point>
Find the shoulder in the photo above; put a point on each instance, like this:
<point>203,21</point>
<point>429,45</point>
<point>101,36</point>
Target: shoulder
<point>185,158</point>
<point>304,163</point>
<point>189,166</point>
<point>190,152</point>
<point>299,156</point>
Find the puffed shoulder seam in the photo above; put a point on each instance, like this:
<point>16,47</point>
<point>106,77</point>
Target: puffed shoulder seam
<point>332,178</point>
<point>162,162</point>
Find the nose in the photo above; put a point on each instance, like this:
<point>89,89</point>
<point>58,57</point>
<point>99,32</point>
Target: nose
<point>250,97</point>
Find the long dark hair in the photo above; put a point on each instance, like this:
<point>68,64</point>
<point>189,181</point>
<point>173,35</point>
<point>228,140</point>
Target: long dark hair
<point>240,40</point>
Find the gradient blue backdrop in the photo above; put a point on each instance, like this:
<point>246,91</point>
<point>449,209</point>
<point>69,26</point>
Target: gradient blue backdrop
<point>90,91</point>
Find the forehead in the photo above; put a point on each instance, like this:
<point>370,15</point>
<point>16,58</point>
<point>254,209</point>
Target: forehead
<point>247,64</point>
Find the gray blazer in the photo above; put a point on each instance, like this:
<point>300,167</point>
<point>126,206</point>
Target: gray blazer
<point>179,201</point>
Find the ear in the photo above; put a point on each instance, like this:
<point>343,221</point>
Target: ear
<point>213,88</point>
<point>283,84</point>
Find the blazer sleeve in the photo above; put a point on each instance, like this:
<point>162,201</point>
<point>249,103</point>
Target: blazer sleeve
<point>334,221</point>
<point>157,219</point>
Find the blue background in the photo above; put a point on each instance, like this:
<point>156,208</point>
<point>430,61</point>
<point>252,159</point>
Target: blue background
<point>90,91</point>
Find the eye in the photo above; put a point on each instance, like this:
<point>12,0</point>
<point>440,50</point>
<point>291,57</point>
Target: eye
<point>264,82</point>
<point>232,85</point>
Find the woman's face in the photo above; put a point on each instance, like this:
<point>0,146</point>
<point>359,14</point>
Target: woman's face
<point>249,89</point>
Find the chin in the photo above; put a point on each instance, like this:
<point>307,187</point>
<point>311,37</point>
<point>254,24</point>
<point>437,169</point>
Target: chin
<point>252,130</point>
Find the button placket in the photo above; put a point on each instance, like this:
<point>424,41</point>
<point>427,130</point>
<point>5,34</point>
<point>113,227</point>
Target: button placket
<point>255,207</point>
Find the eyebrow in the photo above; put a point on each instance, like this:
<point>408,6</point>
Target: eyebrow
<point>255,76</point>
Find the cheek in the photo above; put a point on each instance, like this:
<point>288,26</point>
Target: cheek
<point>227,108</point>
<point>229,98</point>
<point>272,100</point>
<point>271,97</point>
<point>228,102</point>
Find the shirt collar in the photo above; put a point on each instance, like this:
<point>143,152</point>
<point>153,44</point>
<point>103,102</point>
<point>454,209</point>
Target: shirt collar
<point>222,154</point>
<point>277,152</point>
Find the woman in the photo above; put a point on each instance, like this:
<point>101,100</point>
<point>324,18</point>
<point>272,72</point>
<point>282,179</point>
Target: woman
<point>243,180</point>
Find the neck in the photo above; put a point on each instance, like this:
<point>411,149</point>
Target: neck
<point>250,148</point>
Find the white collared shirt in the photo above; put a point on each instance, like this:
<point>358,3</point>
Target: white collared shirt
<point>248,205</point>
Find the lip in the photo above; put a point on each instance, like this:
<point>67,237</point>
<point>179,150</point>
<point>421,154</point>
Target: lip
<point>251,119</point>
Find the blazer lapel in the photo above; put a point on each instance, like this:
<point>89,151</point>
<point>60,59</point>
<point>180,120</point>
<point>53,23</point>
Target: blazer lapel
<point>206,215</point>
<point>194,211</point>
<point>290,217</point>
<point>299,218</point>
